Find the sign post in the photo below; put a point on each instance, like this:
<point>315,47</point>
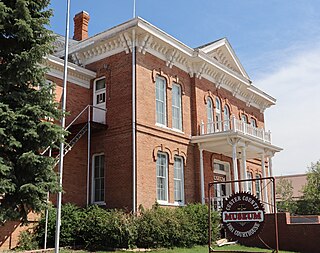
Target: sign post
<point>242,214</point>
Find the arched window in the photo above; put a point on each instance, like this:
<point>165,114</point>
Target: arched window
<point>218,114</point>
<point>244,118</point>
<point>162,176</point>
<point>176,107</point>
<point>209,116</point>
<point>226,118</point>
<point>253,122</point>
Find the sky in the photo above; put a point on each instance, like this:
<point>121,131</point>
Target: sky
<point>277,42</point>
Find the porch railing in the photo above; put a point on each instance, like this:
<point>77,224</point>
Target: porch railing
<point>235,125</point>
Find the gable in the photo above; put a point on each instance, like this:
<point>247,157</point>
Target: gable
<point>222,52</point>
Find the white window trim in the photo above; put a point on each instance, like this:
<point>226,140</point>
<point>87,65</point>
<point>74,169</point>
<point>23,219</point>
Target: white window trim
<point>180,107</point>
<point>92,181</point>
<point>180,203</point>
<point>165,101</point>
<point>225,173</point>
<point>95,92</point>
<point>163,202</point>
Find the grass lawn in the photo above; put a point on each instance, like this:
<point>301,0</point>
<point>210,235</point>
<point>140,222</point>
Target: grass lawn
<point>197,249</point>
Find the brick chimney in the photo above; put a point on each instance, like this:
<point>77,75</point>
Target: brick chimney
<point>81,21</point>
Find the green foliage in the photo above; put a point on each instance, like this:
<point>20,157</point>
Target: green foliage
<point>97,228</point>
<point>284,191</point>
<point>25,175</point>
<point>310,202</point>
<point>27,241</point>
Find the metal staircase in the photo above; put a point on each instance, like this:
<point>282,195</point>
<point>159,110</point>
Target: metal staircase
<point>69,145</point>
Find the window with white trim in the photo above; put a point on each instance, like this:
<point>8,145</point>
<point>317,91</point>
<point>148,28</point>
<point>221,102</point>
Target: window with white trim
<point>98,178</point>
<point>226,116</point>
<point>161,101</point>
<point>209,116</point>
<point>244,118</point>
<point>218,114</point>
<point>178,180</point>
<point>176,107</point>
<point>253,122</point>
<point>162,176</point>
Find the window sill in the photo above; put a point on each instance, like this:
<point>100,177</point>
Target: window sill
<point>100,203</point>
<point>166,203</point>
<point>170,129</point>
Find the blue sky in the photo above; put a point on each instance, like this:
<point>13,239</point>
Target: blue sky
<point>278,43</point>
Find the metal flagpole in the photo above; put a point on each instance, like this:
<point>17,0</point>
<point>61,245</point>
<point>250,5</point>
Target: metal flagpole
<point>63,124</point>
<point>134,8</point>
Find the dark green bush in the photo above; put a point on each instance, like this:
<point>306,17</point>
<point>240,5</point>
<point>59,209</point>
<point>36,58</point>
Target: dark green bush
<point>72,221</point>
<point>98,228</point>
<point>108,229</point>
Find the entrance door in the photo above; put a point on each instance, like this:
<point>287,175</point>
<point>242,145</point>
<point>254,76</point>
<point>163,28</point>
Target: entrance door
<point>99,101</point>
<point>220,191</point>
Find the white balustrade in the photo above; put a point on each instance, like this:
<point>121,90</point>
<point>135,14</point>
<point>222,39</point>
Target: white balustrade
<point>235,125</point>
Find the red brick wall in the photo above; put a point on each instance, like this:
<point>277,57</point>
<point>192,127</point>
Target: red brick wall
<point>292,237</point>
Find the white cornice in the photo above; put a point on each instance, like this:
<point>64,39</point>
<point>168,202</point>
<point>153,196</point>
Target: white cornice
<point>155,41</point>
<point>76,74</point>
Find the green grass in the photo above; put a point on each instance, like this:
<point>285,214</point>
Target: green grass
<point>197,249</point>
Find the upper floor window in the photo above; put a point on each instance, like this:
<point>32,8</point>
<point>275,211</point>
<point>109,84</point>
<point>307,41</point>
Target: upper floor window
<point>209,116</point>
<point>244,118</point>
<point>226,115</point>
<point>218,114</point>
<point>176,107</point>
<point>162,176</point>
<point>178,180</point>
<point>253,122</point>
<point>98,179</point>
<point>161,100</point>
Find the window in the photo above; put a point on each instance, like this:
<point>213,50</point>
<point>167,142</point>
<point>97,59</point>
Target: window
<point>258,186</point>
<point>218,114</point>
<point>226,115</point>
<point>253,122</point>
<point>162,178</point>
<point>218,166</point>
<point>178,180</point>
<point>249,183</point>
<point>209,116</point>
<point>98,179</point>
<point>244,118</point>
<point>176,107</point>
<point>100,91</point>
<point>161,101</point>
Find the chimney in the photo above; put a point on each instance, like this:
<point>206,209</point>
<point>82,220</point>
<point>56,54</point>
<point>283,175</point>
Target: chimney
<point>81,21</point>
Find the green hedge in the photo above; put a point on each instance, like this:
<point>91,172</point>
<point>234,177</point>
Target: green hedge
<point>98,228</point>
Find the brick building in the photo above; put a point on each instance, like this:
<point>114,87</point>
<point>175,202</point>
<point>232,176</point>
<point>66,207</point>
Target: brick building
<point>155,120</point>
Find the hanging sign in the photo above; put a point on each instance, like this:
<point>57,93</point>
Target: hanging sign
<point>242,216</point>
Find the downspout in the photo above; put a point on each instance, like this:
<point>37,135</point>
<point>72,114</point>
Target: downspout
<point>134,121</point>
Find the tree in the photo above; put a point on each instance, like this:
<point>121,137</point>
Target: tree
<point>284,191</point>
<point>25,175</point>
<point>310,202</point>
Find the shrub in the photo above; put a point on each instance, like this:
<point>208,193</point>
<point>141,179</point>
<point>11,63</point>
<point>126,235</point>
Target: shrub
<point>27,241</point>
<point>108,229</point>
<point>70,230</point>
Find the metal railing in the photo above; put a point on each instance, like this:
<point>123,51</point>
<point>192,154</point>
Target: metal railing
<point>235,125</point>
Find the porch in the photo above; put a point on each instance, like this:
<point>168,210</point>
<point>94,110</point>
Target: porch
<point>241,142</point>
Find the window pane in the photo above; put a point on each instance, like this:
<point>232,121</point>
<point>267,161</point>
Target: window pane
<point>176,107</point>
<point>100,84</point>
<point>178,180</point>
<point>98,178</point>
<point>160,101</point>
<point>161,172</point>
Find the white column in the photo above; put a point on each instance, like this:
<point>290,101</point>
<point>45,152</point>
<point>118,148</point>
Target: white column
<point>235,165</point>
<point>270,167</point>
<point>244,167</point>
<point>202,177</point>
<point>265,194</point>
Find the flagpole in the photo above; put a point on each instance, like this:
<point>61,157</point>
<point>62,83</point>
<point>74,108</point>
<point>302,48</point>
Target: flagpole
<point>134,8</point>
<point>63,124</point>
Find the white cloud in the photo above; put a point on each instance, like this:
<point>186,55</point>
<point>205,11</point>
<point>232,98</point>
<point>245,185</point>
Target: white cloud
<point>295,120</point>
